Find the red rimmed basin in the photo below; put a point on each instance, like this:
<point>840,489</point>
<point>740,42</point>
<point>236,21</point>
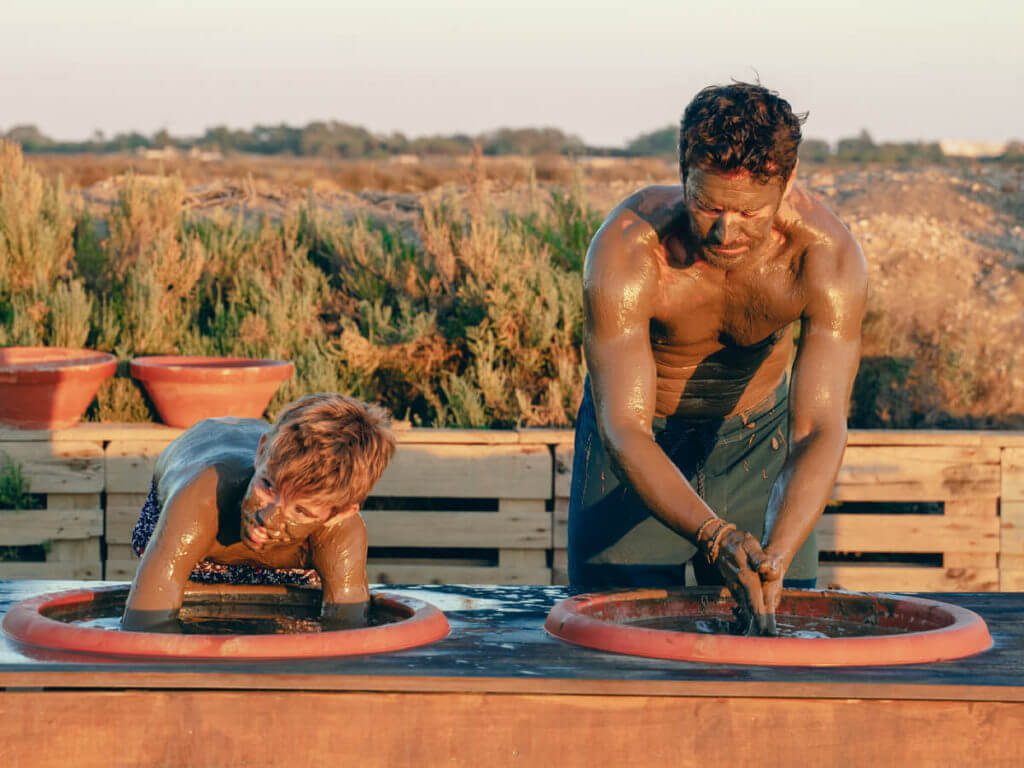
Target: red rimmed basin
<point>640,623</point>
<point>49,387</point>
<point>38,622</point>
<point>186,390</point>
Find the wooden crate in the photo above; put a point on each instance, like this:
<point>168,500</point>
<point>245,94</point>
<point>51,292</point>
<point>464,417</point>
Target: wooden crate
<point>69,474</point>
<point>1011,550</point>
<point>505,538</point>
<point>953,468</point>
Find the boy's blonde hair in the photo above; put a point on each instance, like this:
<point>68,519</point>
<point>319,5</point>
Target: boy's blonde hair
<point>329,447</point>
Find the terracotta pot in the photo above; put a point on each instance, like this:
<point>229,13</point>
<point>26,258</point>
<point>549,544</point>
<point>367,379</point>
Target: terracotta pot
<point>638,623</point>
<point>30,622</point>
<point>186,390</point>
<point>49,387</point>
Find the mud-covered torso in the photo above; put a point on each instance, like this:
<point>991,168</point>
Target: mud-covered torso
<point>721,341</point>
<point>228,445</point>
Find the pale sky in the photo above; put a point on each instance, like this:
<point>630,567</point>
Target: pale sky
<point>905,70</point>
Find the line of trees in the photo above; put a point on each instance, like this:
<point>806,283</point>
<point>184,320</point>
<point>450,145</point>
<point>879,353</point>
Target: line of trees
<point>333,139</point>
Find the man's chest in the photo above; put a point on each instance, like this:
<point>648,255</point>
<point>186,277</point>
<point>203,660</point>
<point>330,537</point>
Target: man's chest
<point>696,310</point>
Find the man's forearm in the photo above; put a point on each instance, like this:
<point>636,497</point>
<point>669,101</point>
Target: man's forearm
<point>658,482</point>
<point>802,490</point>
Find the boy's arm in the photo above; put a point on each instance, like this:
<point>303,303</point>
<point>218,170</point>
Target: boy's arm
<point>184,535</point>
<point>339,556</point>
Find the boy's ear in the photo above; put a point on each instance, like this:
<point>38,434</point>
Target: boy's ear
<point>342,515</point>
<point>262,442</point>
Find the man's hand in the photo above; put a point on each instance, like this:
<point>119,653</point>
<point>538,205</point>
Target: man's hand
<point>753,577</point>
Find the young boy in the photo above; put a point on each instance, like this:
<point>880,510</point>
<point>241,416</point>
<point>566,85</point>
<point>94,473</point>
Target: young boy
<point>240,501</point>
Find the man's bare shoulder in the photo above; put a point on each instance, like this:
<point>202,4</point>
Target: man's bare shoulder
<point>629,243</point>
<point>832,259</point>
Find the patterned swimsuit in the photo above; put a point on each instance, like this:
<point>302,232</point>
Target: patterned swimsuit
<point>209,572</point>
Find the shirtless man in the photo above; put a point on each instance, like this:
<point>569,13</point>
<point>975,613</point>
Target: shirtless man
<point>691,437</point>
<point>242,501</point>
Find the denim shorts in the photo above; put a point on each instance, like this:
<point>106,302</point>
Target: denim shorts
<point>615,541</point>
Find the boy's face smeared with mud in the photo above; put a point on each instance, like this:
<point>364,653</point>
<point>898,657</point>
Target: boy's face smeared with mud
<point>273,516</point>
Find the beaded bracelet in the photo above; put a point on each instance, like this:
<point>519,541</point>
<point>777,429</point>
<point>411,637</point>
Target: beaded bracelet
<point>705,524</point>
<point>716,541</point>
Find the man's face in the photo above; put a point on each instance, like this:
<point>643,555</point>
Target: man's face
<point>731,214</point>
<point>270,518</point>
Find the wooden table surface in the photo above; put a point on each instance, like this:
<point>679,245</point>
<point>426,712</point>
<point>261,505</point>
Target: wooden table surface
<point>497,644</point>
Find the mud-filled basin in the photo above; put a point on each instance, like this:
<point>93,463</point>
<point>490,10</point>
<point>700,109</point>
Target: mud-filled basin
<point>817,628</point>
<point>224,623</point>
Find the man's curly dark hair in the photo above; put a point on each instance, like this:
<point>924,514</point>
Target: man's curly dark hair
<point>741,126</point>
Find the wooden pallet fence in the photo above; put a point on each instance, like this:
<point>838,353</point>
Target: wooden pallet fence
<point>69,529</point>
<point>1011,550</point>
<point>503,541</point>
<point>507,520</point>
<point>952,468</point>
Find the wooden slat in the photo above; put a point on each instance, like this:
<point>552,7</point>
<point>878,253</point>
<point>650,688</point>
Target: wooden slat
<point>92,431</point>
<point>388,528</point>
<point>916,437</point>
<point>120,570</point>
<point>1013,474</point>
<point>560,524</point>
<point>383,572</point>
<point>74,551</point>
<point>879,473</point>
<point>66,467</point>
<point>122,513</point>
<point>563,470</point>
<point>885,578</point>
<point>467,471</point>
<point>100,728</point>
<point>51,570</point>
<point>129,464</point>
<point>845,532</point>
<point>1011,580</point>
<point>35,526</point>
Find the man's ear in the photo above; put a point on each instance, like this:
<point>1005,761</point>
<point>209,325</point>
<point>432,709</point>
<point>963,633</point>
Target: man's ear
<point>791,179</point>
<point>342,515</point>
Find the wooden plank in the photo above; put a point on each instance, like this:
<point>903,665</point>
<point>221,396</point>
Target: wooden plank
<point>51,570</point>
<point>59,501</point>
<point>92,431</point>
<point>916,437</point>
<point>1011,561</point>
<point>1012,528</point>
<point>120,570</point>
<point>221,728</point>
<point>928,473</point>
<point>122,514</point>
<point>560,566</point>
<point>390,572</point>
<point>560,524</point>
<point>388,528</point>
<point>563,470</point>
<point>35,526</point>
<point>1013,474</point>
<point>65,467</point>
<point>886,578</point>
<point>121,552</point>
<point>468,471</point>
<point>1011,580</point>
<point>75,551</point>
<point>129,464</point>
<point>973,560</point>
<point>847,532</point>
<point>524,560</point>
